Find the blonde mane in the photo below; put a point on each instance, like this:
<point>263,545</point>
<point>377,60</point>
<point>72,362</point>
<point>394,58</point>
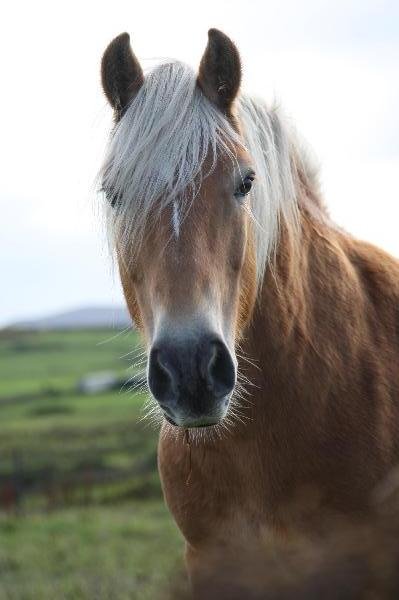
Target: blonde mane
<point>171,137</point>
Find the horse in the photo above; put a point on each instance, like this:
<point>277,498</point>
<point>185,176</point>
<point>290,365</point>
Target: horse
<point>272,335</point>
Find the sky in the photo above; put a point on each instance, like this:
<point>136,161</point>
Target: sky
<point>333,66</point>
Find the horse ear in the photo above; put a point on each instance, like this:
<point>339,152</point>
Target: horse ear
<point>219,74</point>
<point>121,73</point>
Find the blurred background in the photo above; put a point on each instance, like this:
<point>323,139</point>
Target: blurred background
<point>81,509</point>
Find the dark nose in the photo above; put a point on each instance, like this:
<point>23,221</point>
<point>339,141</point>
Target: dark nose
<point>192,379</point>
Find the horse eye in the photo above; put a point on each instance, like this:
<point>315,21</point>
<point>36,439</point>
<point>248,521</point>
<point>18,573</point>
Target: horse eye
<point>244,187</point>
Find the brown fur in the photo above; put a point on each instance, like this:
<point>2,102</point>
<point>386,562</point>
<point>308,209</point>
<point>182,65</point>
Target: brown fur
<point>214,259</point>
<point>323,424</point>
<point>324,419</point>
<point>322,428</point>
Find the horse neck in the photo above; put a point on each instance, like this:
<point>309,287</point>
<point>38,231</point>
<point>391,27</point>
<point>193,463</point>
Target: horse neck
<point>286,338</point>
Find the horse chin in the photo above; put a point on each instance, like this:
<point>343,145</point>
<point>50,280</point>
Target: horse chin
<point>195,424</point>
<point>186,420</point>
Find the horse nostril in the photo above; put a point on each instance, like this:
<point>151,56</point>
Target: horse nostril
<point>221,375</point>
<point>160,378</point>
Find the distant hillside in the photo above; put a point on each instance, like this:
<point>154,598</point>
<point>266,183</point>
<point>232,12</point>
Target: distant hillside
<point>98,317</point>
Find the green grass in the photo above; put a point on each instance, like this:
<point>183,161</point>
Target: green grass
<point>105,552</point>
<point>53,361</point>
<point>85,516</point>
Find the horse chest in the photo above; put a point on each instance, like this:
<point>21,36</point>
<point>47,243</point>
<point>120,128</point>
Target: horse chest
<point>212,495</point>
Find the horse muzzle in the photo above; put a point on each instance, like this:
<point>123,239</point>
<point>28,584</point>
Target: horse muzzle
<point>192,379</point>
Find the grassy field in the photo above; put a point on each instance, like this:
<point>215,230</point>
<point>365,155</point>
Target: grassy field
<point>82,514</point>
